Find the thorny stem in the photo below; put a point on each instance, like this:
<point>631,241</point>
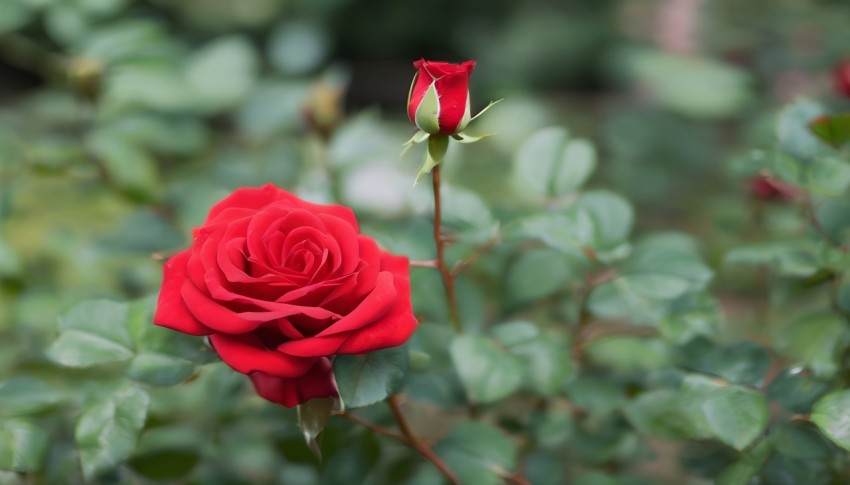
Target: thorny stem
<point>414,442</point>
<point>448,278</point>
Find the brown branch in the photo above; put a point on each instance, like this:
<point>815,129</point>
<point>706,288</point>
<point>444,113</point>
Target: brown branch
<point>424,264</point>
<point>414,442</point>
<point>448,278</point>
<point>376,428</point>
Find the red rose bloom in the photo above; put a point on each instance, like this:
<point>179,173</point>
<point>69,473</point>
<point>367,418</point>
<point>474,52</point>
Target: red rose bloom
<point>841,78</point>
<point>438,102</point>
<point>280,286</point>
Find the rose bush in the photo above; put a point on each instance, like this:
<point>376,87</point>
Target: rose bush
<point>438,102</point>
<point>280,286</point>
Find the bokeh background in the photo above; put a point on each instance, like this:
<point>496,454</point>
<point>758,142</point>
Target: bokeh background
<point>122,121</point>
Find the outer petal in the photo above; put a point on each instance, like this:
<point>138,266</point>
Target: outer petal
<point>245,354</point>
<point>453,90</point>
<point>318,382</point>
<point>384,318</point>
<point>258,197</point>
<point>171,310</point>
<point>397,325</point>
<point>417,91</point>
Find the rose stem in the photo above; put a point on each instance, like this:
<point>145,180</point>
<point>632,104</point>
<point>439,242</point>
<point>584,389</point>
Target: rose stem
<point>416,443</point>
<point>376,428</point>
<point>448,278</point>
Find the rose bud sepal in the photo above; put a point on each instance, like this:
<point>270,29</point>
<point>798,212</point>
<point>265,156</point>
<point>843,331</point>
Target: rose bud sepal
<point>313,415</point>
<point>437,147</point>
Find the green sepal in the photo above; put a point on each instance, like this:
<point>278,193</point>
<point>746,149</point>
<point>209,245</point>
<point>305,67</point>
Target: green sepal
<point>492,103</point>
<point>417,138</point>
<point>437,146</point>
<point>427,116</point>
<point>464,138</point>
<point>313,415</point>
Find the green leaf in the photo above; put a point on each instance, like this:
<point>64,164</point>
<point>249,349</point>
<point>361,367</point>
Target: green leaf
<point>22,446</point>
<point>159,369</point>
<point>576,165</point>
<point>832,129</point>
<point>150,338</point>
<point>313,415</point>
<point>649,282</point>
<point>790,258</point>
<point>92,333</point>
<point>553,428</point>
<point>129,168</point>
<point>537,273</point>
<point>570,232</point>
<point>272,108</point>
<point>222,73</point>
<point>107,429</point>
<point>596,395</point>
<point>832,415</point>
<point>748,466</point>
<point>25,395</point>
<point>478,453</point>
<point>796,389</point>
<point>801,439</point>
<point>742,362</point>
<point>487,372</point>
<point>546,359</point>
<point>692,316</point>
<point>792,130</point>
<point>612,217</point>
<point>827,177</point>
<point>834,218</point>
<point>702,408</point>
<point>366,379</point>
<point>816,341</point>
<point>298,47</point>
<point>628,354</point>
<point>549,164</point>
<point>661,413</point>
<point>736,415</point>
<point>695,86</point>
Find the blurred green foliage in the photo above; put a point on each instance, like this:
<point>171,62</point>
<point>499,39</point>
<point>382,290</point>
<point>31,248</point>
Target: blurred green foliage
<point>632,313</point>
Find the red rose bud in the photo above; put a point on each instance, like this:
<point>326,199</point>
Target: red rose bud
<point>766,187</point>
<point>438,103</point>
<point>841,77</point>
<point>281,286</point>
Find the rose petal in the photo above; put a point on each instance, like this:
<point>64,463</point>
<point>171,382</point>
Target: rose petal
<point>317,383</point>
<point>246,354</point>
<point>171,311</point>
<point>347,296</point>
<point>346,258</point>
<point>396,326</point>
<point>222,319</point>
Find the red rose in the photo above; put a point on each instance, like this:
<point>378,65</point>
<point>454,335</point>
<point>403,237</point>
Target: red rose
<point>281,285</point>
<point>841,77</point>
<point>438,102</point>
